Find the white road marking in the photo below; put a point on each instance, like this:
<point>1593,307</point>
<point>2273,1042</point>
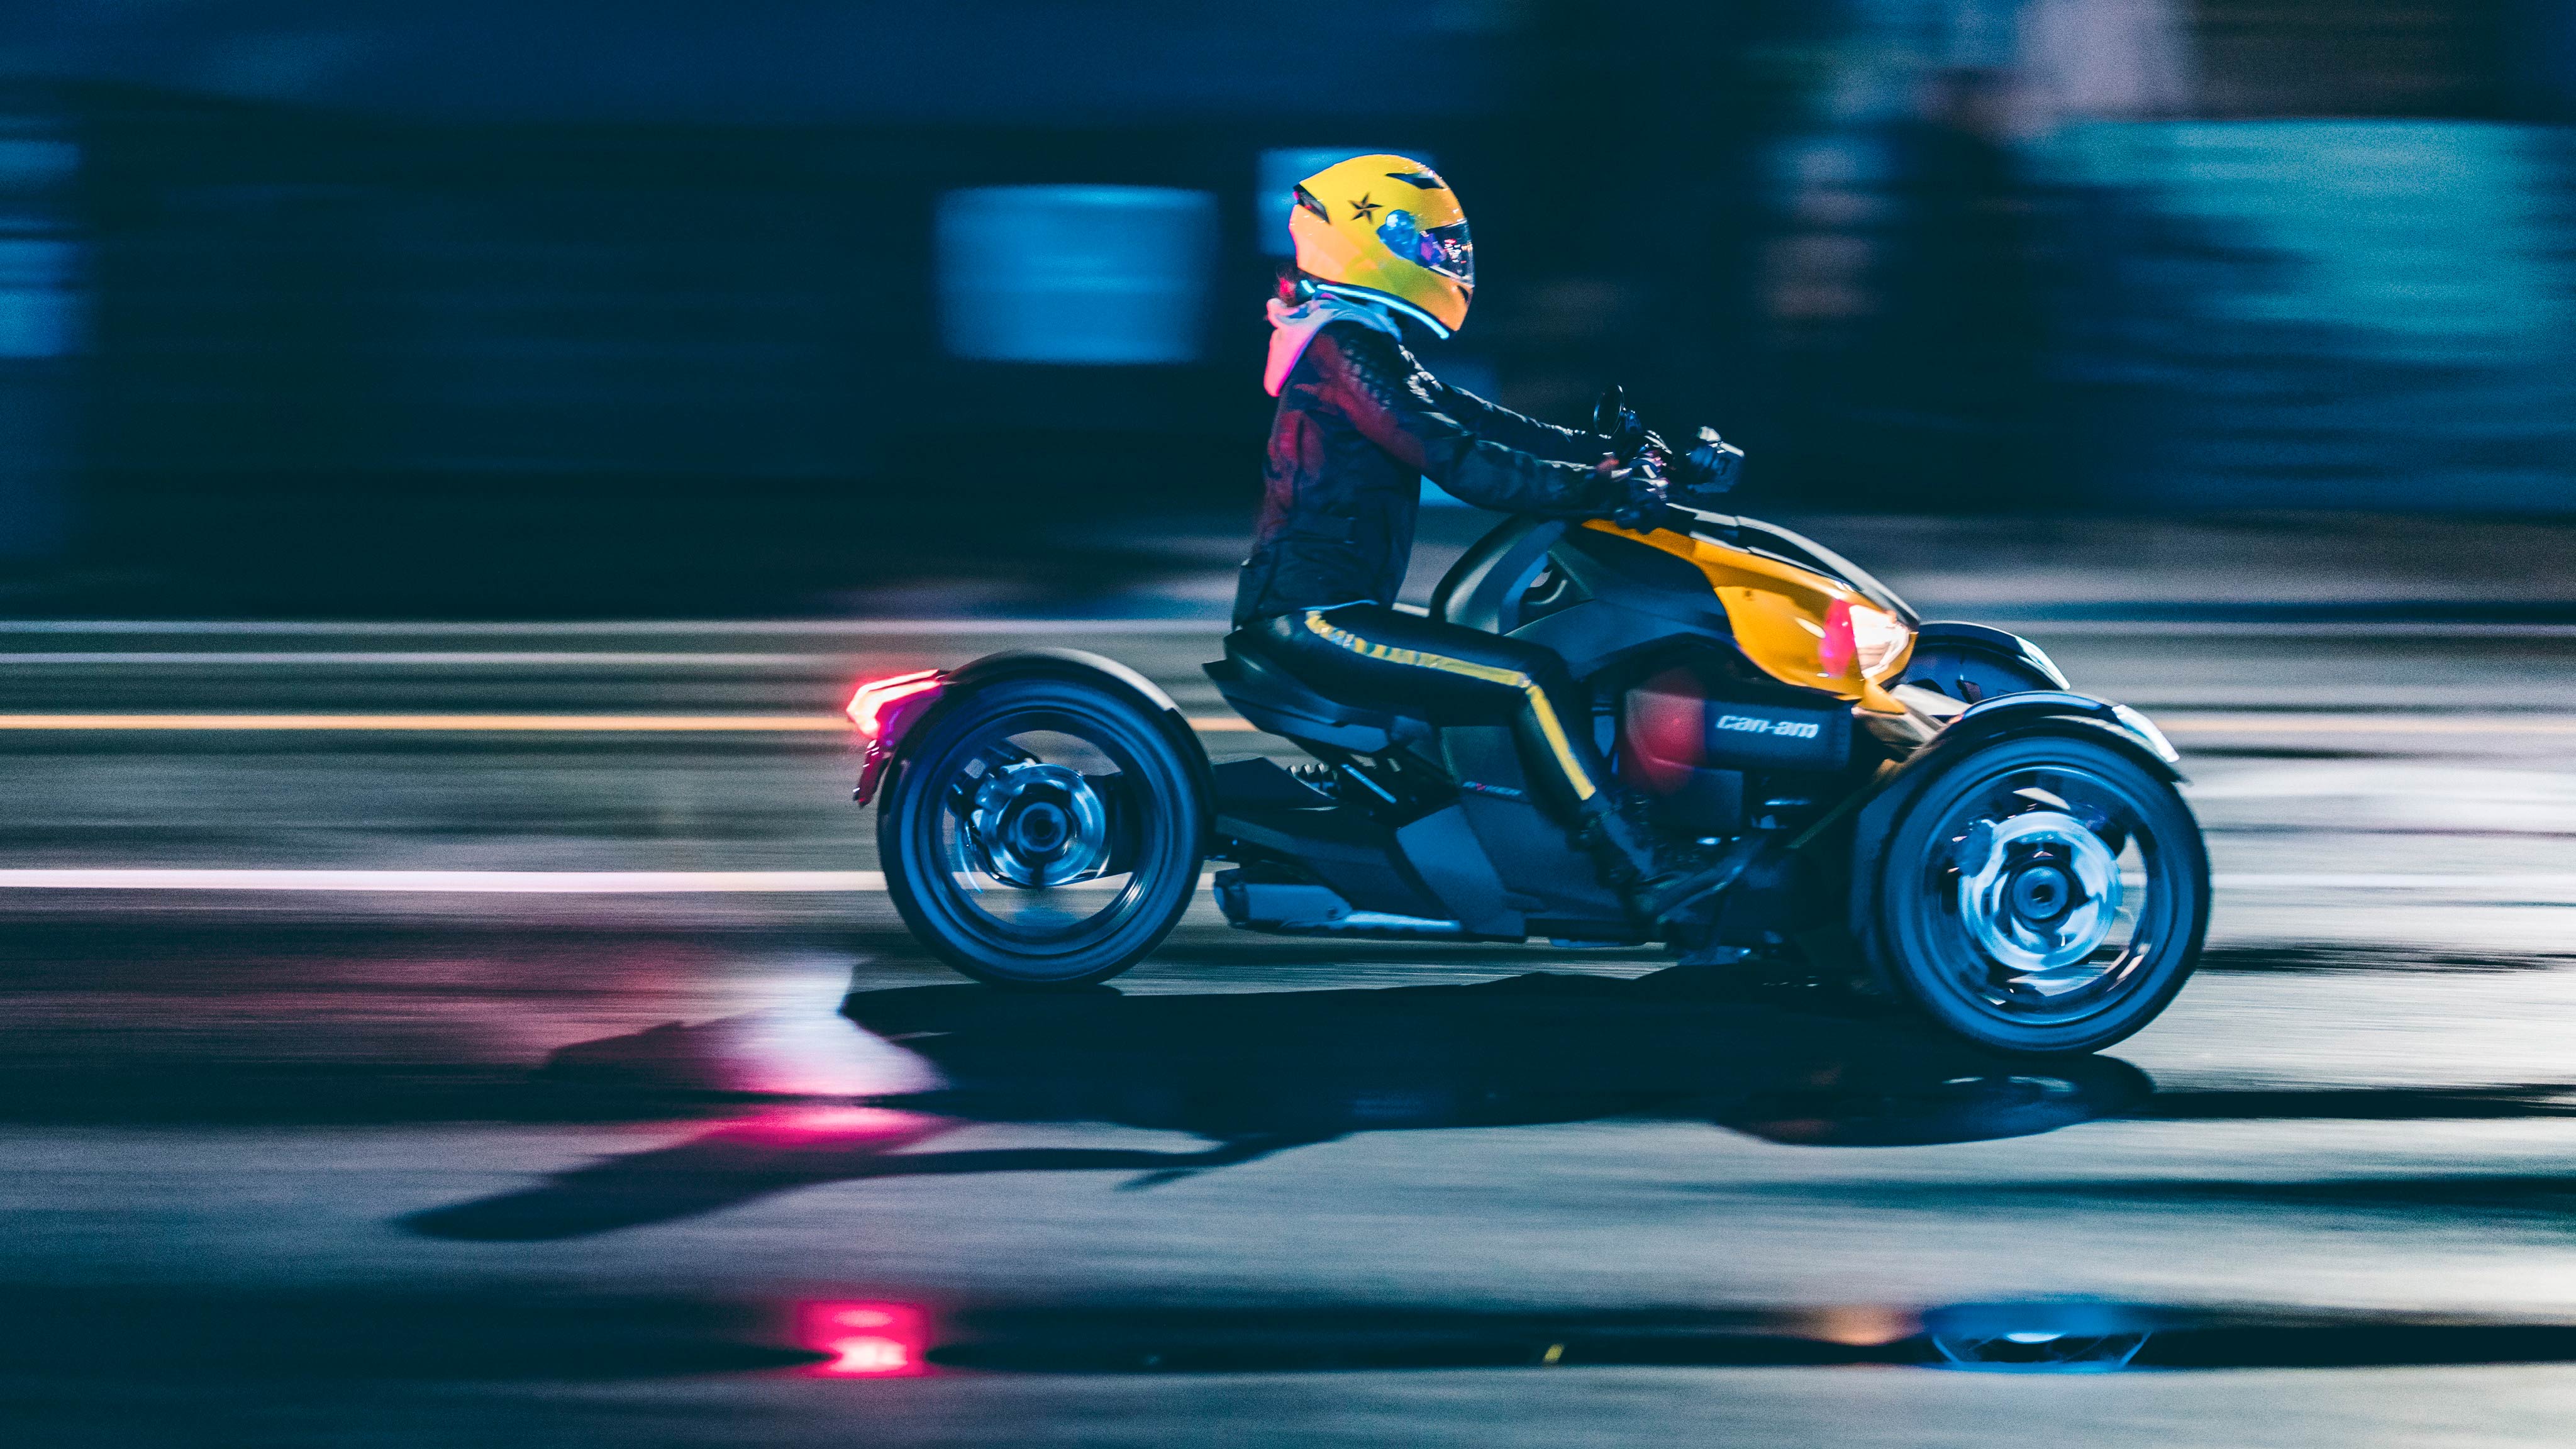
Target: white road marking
<point>2179,722</point>
<point>2284,629</point>
<point>808,882</point>
<point>2544,883</point>
<point>464,882</point>
<point>2347,722</point>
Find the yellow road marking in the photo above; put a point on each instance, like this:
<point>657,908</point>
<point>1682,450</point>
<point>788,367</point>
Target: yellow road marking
<point>2176,723</point>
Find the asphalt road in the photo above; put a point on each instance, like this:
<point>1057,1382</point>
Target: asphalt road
<point>440,1153</point>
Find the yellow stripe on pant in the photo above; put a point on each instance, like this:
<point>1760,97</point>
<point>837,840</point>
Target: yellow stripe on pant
<point>1491,674</point>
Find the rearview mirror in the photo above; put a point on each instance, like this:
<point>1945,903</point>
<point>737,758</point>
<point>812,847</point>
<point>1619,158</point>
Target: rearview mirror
<point>1610,415</point>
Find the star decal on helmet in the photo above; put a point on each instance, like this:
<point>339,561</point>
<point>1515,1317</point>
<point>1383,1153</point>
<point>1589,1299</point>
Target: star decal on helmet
<point>1365,209</point>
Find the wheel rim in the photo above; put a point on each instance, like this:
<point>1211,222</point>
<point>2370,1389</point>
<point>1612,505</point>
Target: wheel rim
<point>1035,825</point>
<point>2038,892</point>
<point>1028,827</point>
<point>2046,895</point>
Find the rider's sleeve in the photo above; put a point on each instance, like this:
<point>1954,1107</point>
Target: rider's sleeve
<point>1398,406</point>
<point>1500,424</point>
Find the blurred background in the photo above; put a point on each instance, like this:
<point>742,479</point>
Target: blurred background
<point>575,307</point>
<point>456,458</point>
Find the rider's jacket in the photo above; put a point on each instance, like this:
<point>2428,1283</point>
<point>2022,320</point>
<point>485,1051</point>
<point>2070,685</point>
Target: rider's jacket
<point>1359,423</point>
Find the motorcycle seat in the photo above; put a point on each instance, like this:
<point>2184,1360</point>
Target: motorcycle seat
<point>1277,701</point>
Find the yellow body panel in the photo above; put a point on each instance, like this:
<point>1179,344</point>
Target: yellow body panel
<point>1778,611</point>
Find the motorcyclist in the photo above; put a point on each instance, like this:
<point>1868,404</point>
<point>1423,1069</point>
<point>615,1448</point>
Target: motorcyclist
<point>1359,423</point>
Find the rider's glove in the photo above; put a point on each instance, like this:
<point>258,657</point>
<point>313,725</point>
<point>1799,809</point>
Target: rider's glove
<point>1636,494</point>
<point>1707,471</point>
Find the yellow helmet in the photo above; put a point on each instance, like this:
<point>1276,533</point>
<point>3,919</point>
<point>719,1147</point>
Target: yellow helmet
<point>1388,230</point>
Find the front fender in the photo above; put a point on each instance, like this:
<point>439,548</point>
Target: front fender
<point>2019,713</point>
<point>2016,655</point>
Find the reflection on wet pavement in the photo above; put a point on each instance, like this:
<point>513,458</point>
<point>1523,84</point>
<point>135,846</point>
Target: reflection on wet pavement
<point>218,1336</point>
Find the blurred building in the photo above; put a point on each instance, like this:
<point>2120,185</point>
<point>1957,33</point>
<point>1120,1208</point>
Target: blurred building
<point>354,281</point>
<point>2147,253</point>
<point>482,283</point>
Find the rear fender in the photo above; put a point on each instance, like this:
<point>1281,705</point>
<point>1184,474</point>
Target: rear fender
<point>1073,665</point>
<point>880,747</point>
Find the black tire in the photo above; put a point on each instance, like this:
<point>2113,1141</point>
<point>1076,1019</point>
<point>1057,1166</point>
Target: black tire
<point>955,888</point>
<point>1977,951</point>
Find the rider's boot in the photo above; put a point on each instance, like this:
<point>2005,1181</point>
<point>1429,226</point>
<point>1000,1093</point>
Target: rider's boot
<point>1657,877</point>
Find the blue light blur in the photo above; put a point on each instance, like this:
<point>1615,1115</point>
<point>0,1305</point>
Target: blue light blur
<point>1093,275</point>
<point>39,308</point>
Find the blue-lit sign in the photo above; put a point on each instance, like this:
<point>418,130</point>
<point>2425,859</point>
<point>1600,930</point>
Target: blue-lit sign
<point>1099,275</point>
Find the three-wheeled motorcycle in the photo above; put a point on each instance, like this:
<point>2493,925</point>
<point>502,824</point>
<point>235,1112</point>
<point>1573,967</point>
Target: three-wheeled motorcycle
<point>1923,812</point>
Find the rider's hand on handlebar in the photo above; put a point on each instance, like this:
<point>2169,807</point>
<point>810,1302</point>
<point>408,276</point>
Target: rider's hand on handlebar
<point>1708,470</point>
<point>1640,488</point>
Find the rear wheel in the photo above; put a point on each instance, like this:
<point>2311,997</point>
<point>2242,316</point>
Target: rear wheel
<point>1044,832</point>
<point>2042,895</point>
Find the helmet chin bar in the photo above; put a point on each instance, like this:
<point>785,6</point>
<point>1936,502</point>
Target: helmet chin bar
<point>1381,299</point>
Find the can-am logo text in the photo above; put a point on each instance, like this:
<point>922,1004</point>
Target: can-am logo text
<point>1790,729</point>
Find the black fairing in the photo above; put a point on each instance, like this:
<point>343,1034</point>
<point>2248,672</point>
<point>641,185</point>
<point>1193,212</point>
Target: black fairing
<point>1484,588</point>
<point>1264,814</point>
<point>1604,603</point>
<point>1552,885</point>
<point>1593,597</point>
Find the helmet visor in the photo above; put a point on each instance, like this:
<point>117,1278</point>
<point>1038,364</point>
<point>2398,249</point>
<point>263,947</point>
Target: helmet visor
<point>1442,249</point>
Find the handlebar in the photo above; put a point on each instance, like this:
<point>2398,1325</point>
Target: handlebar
<point>1702,474</point>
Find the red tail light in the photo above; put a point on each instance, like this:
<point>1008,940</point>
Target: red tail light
<point>867,1340</point>
<point>867,707</point>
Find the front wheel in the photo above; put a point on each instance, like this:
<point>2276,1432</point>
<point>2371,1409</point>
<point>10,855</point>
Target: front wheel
<point>1043,832</point>
<point>2042,895</point>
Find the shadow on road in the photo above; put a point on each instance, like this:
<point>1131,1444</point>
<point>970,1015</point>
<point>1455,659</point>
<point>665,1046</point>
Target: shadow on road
<point>1253,1074</point>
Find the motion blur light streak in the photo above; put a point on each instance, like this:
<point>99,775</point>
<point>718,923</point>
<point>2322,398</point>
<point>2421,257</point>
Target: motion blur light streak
<point>495,723</point>
<point>487,723</point>
<point>470,882</point>
<point>696,882</point>
<point>867,1340</point>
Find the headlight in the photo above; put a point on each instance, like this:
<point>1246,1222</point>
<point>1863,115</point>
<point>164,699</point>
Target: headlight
<point>1878,639</point>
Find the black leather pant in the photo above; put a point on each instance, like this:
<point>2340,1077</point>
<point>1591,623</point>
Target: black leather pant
<point>1377,657</point>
